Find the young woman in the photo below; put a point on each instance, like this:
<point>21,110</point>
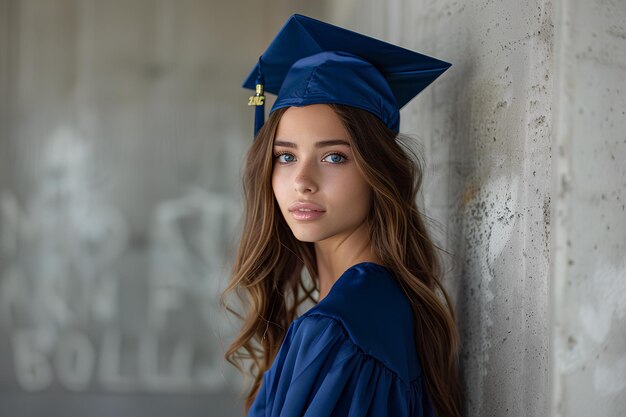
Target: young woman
<point>330,186</point>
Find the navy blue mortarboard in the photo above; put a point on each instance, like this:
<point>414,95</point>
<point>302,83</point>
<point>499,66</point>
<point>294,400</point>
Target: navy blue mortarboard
<point>310,61</point>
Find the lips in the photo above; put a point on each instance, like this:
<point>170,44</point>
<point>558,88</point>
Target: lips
<point>305,207</point>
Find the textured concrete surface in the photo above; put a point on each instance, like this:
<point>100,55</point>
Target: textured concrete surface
<point>589,264</point>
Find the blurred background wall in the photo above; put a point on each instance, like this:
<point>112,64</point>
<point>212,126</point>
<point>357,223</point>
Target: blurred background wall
<point>122,131</point>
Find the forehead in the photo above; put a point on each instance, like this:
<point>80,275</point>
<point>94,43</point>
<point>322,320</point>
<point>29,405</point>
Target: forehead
<point>312,121</point>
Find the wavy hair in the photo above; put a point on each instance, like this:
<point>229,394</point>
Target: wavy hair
<point>266,274</point>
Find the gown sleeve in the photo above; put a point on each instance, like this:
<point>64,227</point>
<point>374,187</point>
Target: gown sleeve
<point>320,372</point>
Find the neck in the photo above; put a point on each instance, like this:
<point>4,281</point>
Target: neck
<point>335,255</point>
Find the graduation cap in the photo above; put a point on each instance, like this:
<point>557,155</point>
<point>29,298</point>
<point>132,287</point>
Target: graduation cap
<point>310,62</point>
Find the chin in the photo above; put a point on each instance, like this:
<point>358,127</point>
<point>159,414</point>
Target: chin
<point>307,235</point>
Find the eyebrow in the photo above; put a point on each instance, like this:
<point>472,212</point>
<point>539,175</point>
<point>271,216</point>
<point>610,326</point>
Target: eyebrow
<point>320,144</point>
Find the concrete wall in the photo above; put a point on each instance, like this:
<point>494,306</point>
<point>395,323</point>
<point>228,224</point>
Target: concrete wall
<point>588,297</point>
<point>534,215</point>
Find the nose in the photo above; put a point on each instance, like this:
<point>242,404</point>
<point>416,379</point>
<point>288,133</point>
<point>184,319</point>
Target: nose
<point>305,177</point>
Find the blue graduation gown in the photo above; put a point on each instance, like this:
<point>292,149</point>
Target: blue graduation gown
<point>351,355</point>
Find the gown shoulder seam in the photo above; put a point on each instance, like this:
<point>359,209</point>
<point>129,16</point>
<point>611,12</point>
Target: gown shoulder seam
<point>347,336</point>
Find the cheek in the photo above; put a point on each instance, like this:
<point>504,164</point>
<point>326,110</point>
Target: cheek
<point>278,186</point>
<point>354,193</point>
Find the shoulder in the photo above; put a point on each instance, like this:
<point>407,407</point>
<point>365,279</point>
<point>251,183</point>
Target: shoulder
<point>321,371</point>
<point>367,306</point>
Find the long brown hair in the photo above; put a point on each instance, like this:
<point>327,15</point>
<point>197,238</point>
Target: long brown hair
<point>266,274</point>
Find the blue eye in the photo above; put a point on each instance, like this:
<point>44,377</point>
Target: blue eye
<point>337,155</point>
<point>283,154</point>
